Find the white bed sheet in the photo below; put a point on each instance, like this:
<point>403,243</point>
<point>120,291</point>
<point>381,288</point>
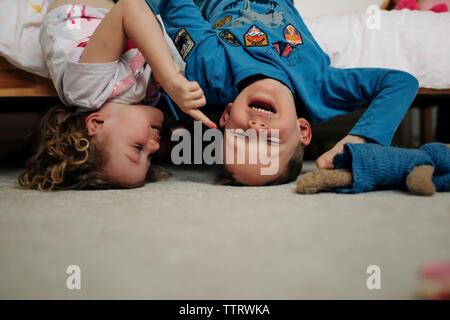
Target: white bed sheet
<point>20,21</point>
<point>413,41</point>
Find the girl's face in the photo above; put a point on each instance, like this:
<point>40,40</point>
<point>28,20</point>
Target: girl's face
<point>130,135</point>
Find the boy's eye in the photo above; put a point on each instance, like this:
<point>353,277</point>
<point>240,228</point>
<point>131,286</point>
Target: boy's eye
<point>273,141</point>
<point>239,133</point>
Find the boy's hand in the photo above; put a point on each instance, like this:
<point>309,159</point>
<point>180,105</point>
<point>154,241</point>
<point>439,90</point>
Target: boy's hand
<point>325,161</point>
<point>188,95</point>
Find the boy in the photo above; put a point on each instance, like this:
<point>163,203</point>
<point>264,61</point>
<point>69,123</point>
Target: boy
<point>258,58</point>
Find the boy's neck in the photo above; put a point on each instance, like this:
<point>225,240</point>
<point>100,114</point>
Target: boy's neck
<point>248,81</point>
<point>257,77</point>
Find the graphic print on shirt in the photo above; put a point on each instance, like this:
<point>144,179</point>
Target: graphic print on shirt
<point>254,37</point>
<point>288,53</point>
<point>292,35</point>
<point>72,13</point>
<point>284,49</point>
<point>184,43</point>
<point>229,38</point>
<point>222,22</point>
<point>84,43</point>
<point>263,11</point>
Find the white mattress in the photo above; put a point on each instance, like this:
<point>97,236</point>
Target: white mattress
<point>413,41</point>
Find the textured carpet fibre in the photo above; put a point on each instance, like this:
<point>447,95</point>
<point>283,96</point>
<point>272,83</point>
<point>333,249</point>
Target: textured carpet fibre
<point>187,238</point>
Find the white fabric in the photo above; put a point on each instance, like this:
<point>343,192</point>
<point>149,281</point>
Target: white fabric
<point>20,21</point>
<point>413,41</point>
<point>315,8</point>
<point>89,85</point>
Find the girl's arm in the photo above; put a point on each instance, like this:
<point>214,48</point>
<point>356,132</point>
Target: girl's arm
<point>133,19</point>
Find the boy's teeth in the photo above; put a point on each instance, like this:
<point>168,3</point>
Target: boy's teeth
<point>262,110</point>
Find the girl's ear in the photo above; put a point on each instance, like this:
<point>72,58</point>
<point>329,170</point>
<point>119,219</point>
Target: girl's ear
<point>225,115</point>
<point>305,133</point>
<point>94,123</point>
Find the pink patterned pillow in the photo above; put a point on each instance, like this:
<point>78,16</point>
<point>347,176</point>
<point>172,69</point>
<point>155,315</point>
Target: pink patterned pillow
<point>433,5</point>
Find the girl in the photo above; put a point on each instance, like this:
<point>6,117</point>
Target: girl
<point>104,138</point>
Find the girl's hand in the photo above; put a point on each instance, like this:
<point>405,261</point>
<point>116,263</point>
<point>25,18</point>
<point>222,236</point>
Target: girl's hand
<point>325,161</point>
<point>188,95</point>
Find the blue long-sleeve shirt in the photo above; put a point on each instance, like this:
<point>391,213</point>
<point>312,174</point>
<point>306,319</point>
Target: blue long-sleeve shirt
<point>229,41</point>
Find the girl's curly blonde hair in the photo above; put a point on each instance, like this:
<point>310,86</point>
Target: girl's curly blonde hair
<point>67,158</point>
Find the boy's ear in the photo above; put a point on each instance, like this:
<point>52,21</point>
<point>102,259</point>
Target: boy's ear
<point>305,133</point>
<point>94,123</point>
<point>225,115</point>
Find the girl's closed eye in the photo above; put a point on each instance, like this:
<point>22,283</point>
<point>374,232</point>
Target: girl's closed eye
<point>138,147</point>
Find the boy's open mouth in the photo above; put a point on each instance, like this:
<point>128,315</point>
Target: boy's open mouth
<point>262,107</point>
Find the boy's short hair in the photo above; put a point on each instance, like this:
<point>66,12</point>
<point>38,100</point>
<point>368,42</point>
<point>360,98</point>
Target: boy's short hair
<point>293,170</point>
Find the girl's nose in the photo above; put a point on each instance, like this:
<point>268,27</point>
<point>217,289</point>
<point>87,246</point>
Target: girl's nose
<point>153,146</point>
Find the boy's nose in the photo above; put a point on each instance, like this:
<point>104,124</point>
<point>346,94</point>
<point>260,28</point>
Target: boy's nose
<point>257,124</point>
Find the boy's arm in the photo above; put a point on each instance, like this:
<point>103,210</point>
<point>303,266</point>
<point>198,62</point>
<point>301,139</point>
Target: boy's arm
<point>389,94</point>
<point>184,14</point>
<point>199,47</point>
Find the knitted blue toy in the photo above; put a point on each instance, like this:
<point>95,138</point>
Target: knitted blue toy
<point>367,167</point>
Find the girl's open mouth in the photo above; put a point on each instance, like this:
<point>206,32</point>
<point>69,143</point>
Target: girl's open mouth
<point>157,131</point>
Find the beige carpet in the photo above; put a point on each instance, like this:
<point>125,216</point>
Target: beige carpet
<point>189,239</point>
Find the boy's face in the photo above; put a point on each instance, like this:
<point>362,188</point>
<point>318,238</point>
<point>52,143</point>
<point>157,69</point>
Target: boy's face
<point>265,104</point>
